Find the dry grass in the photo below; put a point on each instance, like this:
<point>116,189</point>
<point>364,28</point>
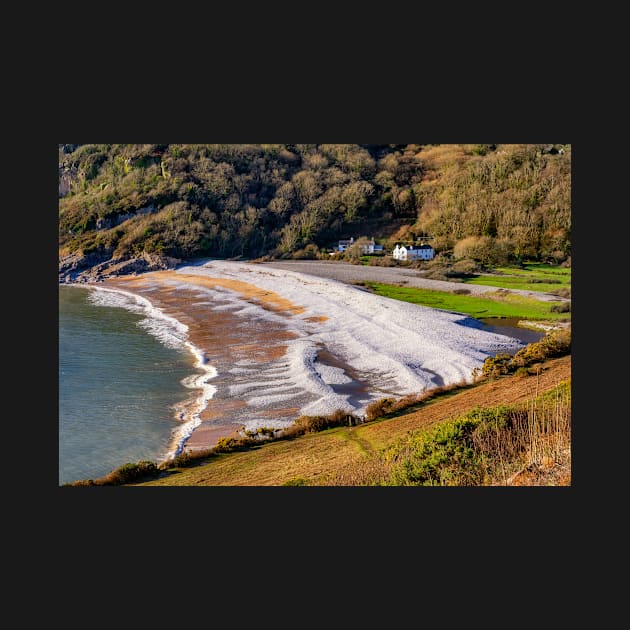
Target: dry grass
<point>436,158</point>
<point>539,446</point>
<point>527,444</point>
<point>388,406</point>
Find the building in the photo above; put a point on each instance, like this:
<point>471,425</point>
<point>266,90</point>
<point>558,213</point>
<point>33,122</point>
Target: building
<point>345,243</point>
<point>411,252</point>
<point>371,248</point>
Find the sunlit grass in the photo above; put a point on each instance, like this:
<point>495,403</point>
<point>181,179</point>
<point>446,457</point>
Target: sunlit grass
<point>533,277</point>
<point>499,305</point>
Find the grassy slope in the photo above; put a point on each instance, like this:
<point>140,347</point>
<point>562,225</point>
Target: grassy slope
<point>314,457</point>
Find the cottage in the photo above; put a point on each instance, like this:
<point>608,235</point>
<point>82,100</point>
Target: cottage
<point>345,243</point>
<point>411,252</point>
<point>371,247</point>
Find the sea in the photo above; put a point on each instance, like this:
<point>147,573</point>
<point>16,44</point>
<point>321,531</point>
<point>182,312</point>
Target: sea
<point>129,383</point>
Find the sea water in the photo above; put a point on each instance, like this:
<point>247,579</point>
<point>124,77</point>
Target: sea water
<point>124,377</point>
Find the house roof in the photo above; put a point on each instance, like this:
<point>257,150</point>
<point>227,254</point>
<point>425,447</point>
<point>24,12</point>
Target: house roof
<point>415,246</point>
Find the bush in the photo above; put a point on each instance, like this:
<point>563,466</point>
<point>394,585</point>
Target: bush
<point>497,365</point>
<point>127,473</point>
<point>564,307</point>
<point>310,252</point>
<point>296,481</point>
<point>444,456</point>
<point>312,424</point>
<point>554,344</point>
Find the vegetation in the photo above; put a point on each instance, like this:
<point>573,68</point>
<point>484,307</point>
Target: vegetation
<point>493,446</point>
<point>494,203</point>
<point>127,473</point>
<point>386,407</point>
<point>554,344</point>
<point>530,276</point>
<point>496,304</point>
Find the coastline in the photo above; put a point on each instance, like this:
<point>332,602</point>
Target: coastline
<point>219,338</point>
<point>173,333</point>
<point>275,344</point>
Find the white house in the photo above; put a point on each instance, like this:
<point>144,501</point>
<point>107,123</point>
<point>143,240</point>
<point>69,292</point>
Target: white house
<point>345,243</point>
<point>371,247</point>
<point>411,252</point>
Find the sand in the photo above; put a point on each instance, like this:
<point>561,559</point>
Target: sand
<point>285,343</point>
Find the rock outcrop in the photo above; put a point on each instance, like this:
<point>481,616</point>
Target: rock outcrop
<point>94,267</point>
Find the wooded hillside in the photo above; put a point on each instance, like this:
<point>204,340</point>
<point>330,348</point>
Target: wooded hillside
<point>492,202</point>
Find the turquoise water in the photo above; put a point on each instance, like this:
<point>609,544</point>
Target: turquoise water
<point>121,375</point>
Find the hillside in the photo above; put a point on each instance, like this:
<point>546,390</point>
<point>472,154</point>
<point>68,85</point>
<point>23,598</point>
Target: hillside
<point>347,455</point>
<point>495,203</point>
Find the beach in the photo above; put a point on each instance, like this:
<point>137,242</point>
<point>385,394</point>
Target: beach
<point>273,344</point>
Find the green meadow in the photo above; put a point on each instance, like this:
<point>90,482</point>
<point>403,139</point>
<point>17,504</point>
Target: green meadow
<point>531,277</point>
<point>496,304</point>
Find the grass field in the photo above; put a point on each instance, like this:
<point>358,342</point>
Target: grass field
<point>499,305</point>
<point>533,277</point>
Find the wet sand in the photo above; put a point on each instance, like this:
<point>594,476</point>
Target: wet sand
<point>225,339</point>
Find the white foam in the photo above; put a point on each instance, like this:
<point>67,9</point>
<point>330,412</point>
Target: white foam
<point>269,385</point>
<point>174,334</point>
<point>170,331</point>
<point>407,347</point>
<point>190,411</point>
<point>331,375</point>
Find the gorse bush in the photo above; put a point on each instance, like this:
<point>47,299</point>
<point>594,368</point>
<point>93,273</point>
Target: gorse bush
<point>442,457</point>
<point>555,343</point>
<point>524,444</point>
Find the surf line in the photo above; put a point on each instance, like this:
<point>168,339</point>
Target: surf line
<point>174,334</point>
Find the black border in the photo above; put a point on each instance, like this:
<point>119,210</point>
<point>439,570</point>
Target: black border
<point>500,516</point>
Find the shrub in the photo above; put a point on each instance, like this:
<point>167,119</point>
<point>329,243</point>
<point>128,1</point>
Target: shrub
<point>554,344</point>
<point>296,481</point>
<point>497,365</point>
<point>563,307</point>
<point>378,408</point>
<point>312,424</point>
<point>127,473</point>
<point>443,456</point>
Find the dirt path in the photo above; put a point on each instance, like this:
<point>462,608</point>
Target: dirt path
<point>345,272</point>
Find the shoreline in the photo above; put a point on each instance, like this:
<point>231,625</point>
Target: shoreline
<point>214,417</point>
<point>277,344</point>
<point>188,412</point>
